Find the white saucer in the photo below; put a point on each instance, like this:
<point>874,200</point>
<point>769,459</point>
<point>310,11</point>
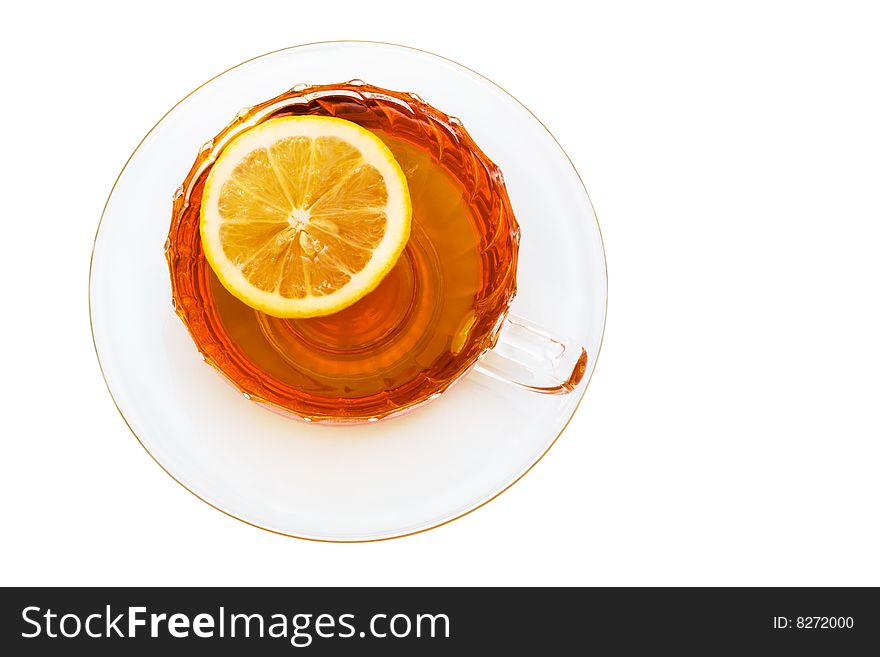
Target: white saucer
<point>341,483</point>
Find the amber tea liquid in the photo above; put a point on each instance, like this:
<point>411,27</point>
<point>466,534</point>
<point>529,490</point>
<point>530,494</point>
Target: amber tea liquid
<point>428,320</point>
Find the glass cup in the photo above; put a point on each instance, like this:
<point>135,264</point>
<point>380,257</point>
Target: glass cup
<point>440,313</point>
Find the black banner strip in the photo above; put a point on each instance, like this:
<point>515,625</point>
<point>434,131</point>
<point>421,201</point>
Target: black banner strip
<point>419,621</point>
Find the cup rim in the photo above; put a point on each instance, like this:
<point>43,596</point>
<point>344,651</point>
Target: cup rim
<point>190,273</point>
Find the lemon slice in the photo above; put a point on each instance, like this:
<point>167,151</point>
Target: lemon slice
<point>302,216</point>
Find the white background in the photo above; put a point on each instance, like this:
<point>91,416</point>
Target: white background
<point>730,434</point>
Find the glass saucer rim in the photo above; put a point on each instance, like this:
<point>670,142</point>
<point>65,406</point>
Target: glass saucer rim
<point>430,524</point>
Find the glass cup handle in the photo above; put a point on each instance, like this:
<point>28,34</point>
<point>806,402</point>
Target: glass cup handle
<point>528,356</point>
